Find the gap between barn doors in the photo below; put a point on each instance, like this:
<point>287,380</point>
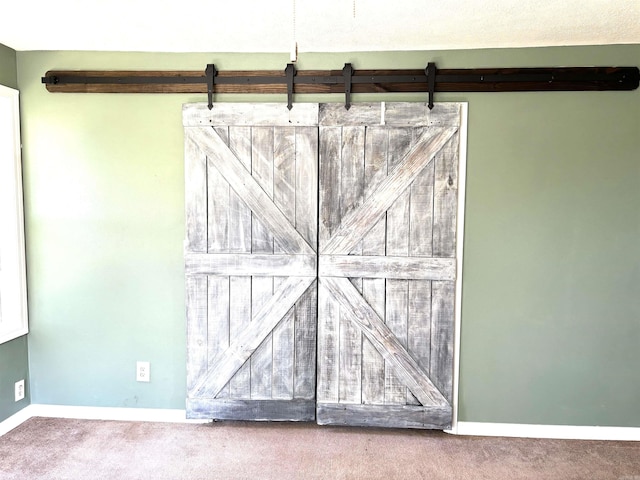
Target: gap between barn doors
<point>347,81</point>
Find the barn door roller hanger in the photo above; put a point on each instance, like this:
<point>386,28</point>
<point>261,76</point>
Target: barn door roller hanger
<point>346,81</point>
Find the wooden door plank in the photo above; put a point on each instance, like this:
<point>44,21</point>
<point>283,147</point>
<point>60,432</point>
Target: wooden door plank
<point>390,267</point>
<point>219,319</point>
<point>249,114</point>
<point>195,198</point>
<point>217,203</point>
<point>239,213</point>
<point>256,410</point>
<point>421,211</point>
<point>284,196</point>
<point>383,339</point>
<point>373,292</point>
<point>419,325</point>
<point>244,264</point>
<point>397,291</point>
<point>262,357</point>
<point>240,320</point>
<point>351,197</point>
<point>305,344</point>
<point>442,314</point>
<point>445,200</point>
<point>396,306</point>
<point>330,184</point>
<point>306,182</point>
<point>248,189</point>
<point>197,333</point>
<point>373,244</point>
<point>328,347</point>
<point>398,114</point>
<point>262,173</point>
<point>359,221</point>
<point>227,363</point>
<point>262,242</point>
<point>396,416</point>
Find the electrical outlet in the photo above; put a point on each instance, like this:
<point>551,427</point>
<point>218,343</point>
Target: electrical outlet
<point>143,371</point>
<point>19,393</point>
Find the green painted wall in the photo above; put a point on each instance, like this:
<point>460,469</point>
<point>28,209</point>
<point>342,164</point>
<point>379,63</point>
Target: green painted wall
<point>550,320</point>
<point>13,354</point>
<point>8,71</point>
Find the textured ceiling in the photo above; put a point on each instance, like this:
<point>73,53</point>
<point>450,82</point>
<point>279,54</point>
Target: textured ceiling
<point>317,26</point>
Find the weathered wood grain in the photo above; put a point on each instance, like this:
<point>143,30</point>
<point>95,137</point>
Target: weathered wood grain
<point>217,204</point>
<point>305,344</point>
<point>197,333</point>
<point>243,264</point>
<point>358,222</point>
<point>421,212</point>
<point>239,213</point>
<point>442,332</point>
<point>328,347</point>
<point>256,410</point>
<point>383,340</point>
<point>397,245</point>
<point>390,267</point>
<point>218,315</point>
<point>262,172</point>
<point>374,244</point>
<point>330,182</point>
<point>284,197</point>
<point>195,164</point>
<point>306,182</point>
<point>247,187</point>
<point>239,321</point>
<point>400,114</point>
<point>262,357</point>
<point>373,292</point>
<point>445,201</point>
<point>396,306</point>
<point>387,416</point>
<point>249,114</point>
<point>419,326</point>
<point>264,320</point>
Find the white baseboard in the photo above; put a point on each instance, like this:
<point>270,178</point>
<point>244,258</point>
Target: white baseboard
<point>96,413</point>
<point>570,432</point>
<point>14,421</point>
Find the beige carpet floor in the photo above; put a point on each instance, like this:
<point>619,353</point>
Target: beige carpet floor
<point>52,449</point>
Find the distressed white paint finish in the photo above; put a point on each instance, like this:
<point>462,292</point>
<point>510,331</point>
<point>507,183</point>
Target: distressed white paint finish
<point>256,256</point>
<point>250,264</point>
<point>394,267</point>
<point>387,194</point>
<point>384,245</point>
<point>250,115</point>
<point>357,222</point>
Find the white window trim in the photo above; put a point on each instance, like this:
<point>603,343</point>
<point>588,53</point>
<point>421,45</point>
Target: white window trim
<point>13,286</point>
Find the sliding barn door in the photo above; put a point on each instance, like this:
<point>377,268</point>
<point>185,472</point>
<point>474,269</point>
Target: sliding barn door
<point>387,266</point>
<point>250,261</point>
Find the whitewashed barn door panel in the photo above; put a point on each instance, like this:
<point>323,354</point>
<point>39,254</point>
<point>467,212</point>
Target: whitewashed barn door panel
<point>387,266</point>
<point>375,190</point>
<point>250,260</point>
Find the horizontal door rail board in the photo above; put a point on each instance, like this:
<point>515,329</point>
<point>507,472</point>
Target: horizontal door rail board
<point>226,363</point>
<point>384,341</point>
<point>378,266</point>
<point>334,81</point>
<point>359,221</point>
<point>395,416</point>
<point>247,188</point>
<point>259,410</point>
<point>250,114</point>
<point>391,114</point>
<point>245,264</point>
